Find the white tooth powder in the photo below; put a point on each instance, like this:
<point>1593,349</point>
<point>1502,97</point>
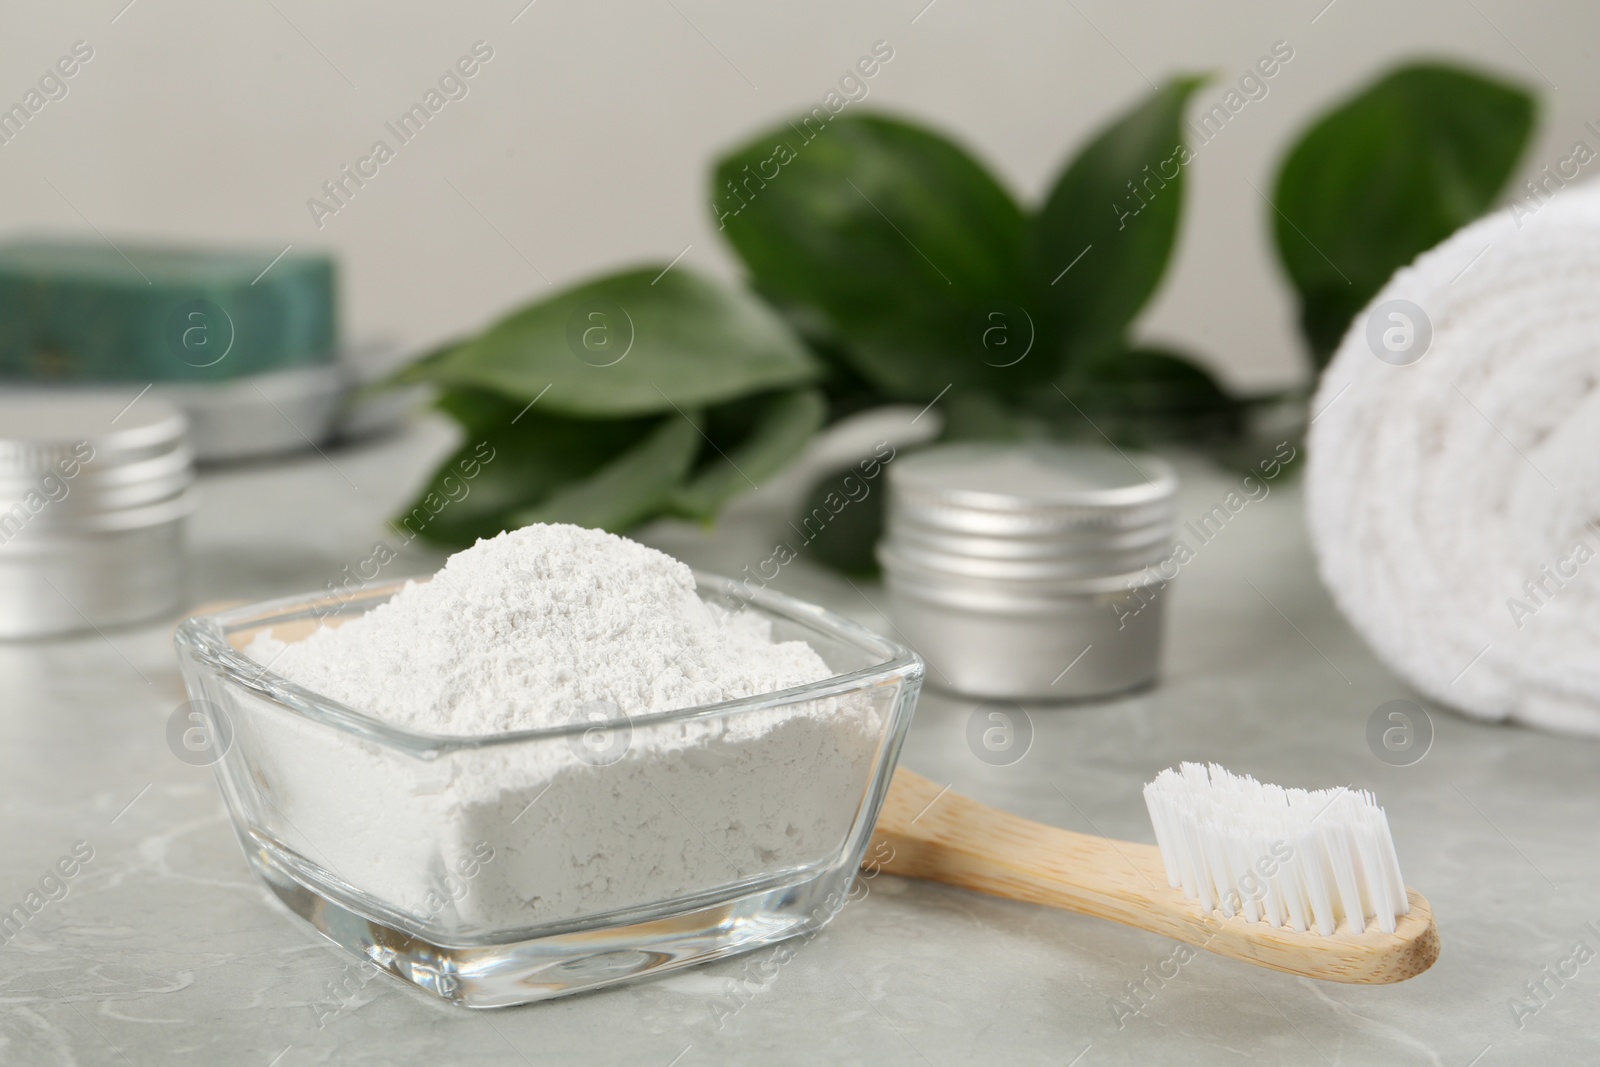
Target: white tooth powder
<point>547,626</point>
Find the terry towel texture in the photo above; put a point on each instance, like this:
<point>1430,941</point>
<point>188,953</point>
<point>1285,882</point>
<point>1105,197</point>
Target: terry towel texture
<point>1454,501</point>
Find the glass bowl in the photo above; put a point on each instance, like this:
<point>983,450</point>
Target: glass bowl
<point>497,870</point>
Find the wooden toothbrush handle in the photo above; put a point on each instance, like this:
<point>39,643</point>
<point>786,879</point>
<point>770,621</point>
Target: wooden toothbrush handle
<point>925,831</point>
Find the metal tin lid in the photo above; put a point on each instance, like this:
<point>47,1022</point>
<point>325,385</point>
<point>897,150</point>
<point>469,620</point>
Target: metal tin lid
<point>911,578</point>
<point>998,489</point>
<point>37,432</point>
<point>1036,546</point>
<point>1063,568</point>
<point>1054,515</point>
<point>87,461</point>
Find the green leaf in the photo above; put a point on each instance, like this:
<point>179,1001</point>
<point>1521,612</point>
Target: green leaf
<point>508,466</point>
<point>974,416</point>
<point>476,410</point>
<point>841,518</point>
<point>770,432</point>
<point>1147,395</point>
<point>887,236</point>
<point>1101,241</point>
<point>633,343</point>
<point>632,487</point>
<point>1384,177</point>
<point>419,368</point>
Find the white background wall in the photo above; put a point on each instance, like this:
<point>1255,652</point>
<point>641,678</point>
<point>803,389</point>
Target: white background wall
<point>585,141</point>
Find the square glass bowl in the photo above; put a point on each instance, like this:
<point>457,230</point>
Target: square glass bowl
<point>509,868</point>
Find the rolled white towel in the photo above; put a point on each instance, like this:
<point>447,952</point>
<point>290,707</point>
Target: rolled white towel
<point>1454,501</point>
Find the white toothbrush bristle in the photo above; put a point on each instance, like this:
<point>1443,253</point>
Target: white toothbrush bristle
<point>1290,857</point>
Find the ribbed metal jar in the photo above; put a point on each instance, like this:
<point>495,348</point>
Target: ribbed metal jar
<point>93,497</point>
<point>1029,571</point>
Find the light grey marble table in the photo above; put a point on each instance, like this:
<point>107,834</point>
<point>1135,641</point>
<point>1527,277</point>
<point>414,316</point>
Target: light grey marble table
<point>164,951</point>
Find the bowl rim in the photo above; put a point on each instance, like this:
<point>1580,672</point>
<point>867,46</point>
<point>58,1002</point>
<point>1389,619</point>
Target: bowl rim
<point>203,636</point>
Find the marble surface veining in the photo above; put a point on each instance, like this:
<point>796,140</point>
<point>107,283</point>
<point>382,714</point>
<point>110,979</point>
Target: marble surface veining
<point>163,950</point>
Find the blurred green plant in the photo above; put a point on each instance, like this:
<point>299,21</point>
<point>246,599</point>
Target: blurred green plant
<point>913,275</point>
<point>886,264</point>
<point>646,393</point>
<point>1385,176</point>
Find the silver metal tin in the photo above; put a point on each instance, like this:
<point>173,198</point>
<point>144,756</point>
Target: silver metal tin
<point>1038,489</point>
<point>240,418</point>
<point>94,492</point>
<point>263,414</point>
<point>1021,571</point>
<point>1086,564</point>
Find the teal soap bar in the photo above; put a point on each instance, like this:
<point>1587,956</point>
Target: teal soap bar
<point>81,312</point>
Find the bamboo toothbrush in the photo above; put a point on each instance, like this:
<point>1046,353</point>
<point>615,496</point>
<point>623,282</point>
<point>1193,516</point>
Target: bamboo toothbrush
<point>1235,862</point>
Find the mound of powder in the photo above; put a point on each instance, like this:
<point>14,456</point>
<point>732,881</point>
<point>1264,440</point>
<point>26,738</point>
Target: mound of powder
<point>521,630</point>
<point>545,627</point>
